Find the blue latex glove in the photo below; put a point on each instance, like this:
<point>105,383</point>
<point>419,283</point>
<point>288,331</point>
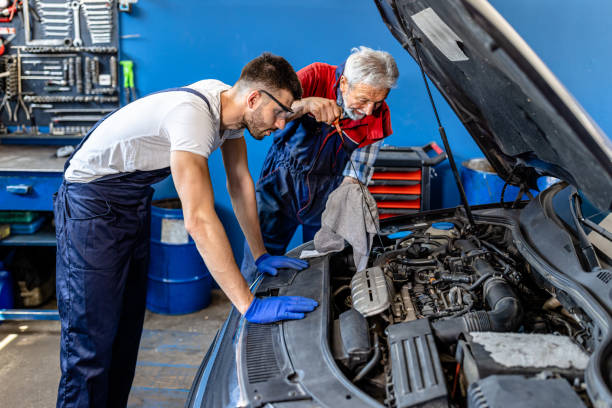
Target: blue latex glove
<point>271,264</point>
<point>274,309</point>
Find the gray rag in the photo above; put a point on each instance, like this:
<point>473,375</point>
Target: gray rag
<point>346,217</point>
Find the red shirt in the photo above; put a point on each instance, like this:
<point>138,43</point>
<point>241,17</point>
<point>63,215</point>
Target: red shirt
<point>322,80</point>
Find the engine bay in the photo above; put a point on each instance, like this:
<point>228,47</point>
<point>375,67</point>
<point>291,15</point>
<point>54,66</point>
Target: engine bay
<point>447,315</point>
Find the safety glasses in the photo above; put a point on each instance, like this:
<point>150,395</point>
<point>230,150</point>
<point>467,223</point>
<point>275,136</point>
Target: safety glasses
<point>286,110</point>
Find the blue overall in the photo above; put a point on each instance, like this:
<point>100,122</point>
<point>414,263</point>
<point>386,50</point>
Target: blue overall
<point>304,165</point>
<point>102,230</point>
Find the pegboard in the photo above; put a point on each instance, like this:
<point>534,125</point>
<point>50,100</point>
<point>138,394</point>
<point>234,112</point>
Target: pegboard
<point>59,68</point>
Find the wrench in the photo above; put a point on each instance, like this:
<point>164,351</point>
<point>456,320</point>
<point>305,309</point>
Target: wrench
<point>51,5</point>
<point>55,13</point>
<point>76,5</point>
<point>97,6</point>
<point>99,12</point>
<point>55,20</point>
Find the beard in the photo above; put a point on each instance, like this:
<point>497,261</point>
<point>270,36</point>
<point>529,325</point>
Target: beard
<point>351,113</point>
<point>354,114</point>
<point>257,126</point>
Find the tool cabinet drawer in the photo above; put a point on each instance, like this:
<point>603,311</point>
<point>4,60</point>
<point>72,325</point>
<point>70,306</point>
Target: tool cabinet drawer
<point>28,192</point>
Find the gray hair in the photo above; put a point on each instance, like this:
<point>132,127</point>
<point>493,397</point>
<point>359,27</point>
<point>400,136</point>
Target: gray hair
<point>374,68</point>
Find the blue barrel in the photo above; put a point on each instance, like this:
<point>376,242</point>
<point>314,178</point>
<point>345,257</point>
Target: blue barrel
<point>6,288</point>
<point>483,186</point>
<point>178,280</point>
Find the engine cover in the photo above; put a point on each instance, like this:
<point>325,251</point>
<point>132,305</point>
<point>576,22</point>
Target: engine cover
<point>370,291</point>
<point>418,379</point>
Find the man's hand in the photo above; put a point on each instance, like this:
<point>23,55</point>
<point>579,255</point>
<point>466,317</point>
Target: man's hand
<point>274,309</point>
<point>323,109</point>
<point>270,264</point>
<point>349,180</point>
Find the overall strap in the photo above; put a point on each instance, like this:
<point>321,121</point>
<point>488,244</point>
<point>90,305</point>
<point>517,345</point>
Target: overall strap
<point>178,89</point>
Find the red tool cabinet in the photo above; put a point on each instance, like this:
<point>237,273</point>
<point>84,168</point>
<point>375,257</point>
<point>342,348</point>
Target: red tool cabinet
<point>401,180</point>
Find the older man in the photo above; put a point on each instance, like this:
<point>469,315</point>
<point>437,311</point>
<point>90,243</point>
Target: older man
<point>309,159</point>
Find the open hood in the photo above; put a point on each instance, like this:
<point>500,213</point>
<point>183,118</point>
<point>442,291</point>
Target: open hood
<point>517,111</point>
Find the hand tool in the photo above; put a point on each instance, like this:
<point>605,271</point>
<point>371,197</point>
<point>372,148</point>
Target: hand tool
<point>113,71</point>
<point>77,118</point>
<point>78,66</point>
<point>76,5</point>
<point>71,80</point>
<point>104,91</point>
<point>78,110</point>
<point>50,73</point>
<point>41,77</point>
<point>39,106</point>
<point>55,20</point>
<point>58,83</point>
<point>20,101</point>
<point>56,88</point>
<point>65,69</point>
<point>43,4</point>
<point>71,98</point>
<point>62,34</point>
<point>128,80</point>
<point>95,70</point>
<point>46,13</point>
<point>4,43</point>
<point>28,32</point>
<point>11,85</point>
<point>106,13</point>
<point>107,6</point>
<point>9,12</point>
<point>88,75</point>
<point>56,28</point>
<point>67,51</point>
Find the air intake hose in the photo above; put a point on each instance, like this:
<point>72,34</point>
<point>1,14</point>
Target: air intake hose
<point>505,314</point>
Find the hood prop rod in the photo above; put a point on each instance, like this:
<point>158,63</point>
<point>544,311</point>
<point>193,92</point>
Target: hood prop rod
<point>449,152</point>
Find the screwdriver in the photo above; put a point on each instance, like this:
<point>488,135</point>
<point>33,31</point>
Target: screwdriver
<point>128,80</point>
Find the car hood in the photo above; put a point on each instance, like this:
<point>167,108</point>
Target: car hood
<point>517,111</point>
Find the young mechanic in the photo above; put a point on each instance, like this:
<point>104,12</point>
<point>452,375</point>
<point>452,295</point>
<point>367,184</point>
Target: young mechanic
<point>102,215</point>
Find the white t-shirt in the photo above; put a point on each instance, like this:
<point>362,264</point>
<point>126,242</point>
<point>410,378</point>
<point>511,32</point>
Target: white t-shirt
<point>141,135</point>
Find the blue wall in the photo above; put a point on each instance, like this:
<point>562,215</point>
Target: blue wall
<point>183,42</point>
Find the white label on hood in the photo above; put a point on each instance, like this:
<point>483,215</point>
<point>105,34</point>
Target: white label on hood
<point>439,34</point>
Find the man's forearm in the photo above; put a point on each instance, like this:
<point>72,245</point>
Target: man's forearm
<point>214,246</point>
<point>244,203</point>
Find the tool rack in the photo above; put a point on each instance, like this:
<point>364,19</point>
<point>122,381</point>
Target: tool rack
<point>58,77</point>
<point>59,71</point>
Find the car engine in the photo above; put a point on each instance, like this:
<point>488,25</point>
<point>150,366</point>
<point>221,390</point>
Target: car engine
<point>446,315</point>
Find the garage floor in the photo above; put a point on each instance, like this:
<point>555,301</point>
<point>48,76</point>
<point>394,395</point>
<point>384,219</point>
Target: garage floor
<point>171,350</point>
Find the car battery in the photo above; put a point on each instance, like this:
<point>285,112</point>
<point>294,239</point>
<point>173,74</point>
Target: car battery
<point>400,183</point>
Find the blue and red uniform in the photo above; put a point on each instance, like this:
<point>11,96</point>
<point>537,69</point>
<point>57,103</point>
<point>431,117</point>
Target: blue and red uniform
<point>306,160</point>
